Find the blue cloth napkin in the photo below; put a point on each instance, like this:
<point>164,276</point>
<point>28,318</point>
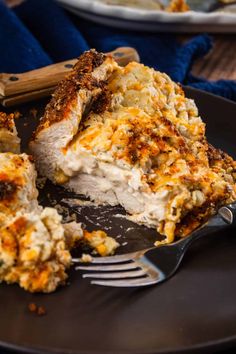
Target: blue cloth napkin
<point>38,33</point>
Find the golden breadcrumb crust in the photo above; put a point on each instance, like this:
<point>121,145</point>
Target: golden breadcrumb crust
<point>7,121</point>
<point>65,95</point>
<point>23,262</point>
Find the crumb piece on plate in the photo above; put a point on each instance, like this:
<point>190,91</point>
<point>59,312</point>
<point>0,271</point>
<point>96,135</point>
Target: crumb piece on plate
<point>39,310</point>
<point>40,182</point>
<point>102,244</point>
<point>33,113</point>
<point>73,233</point>
<point>86,258</point>
<point>32,307</point>
<point>99,242</point>
<point>9,140</point>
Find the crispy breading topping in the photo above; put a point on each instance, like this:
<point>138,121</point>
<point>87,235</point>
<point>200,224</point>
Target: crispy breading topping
<point>66,93</point>
<point>151,126</point>
<point>220,158</point>
<point>101,103</point>
<point>7,121</point>
<point>33,251</point>
<point>141,139</point>
<point>9,141</point>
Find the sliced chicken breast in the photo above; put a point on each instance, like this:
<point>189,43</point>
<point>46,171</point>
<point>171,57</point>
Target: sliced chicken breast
<point>83,90</point>
<point>134,140</point>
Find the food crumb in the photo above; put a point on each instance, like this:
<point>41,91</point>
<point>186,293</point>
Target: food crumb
<point>41,181</point>
<point>32,307</point>
<point>38,310</point>
<point>17,114</point>
<point>86,258</point>
<point>41,311</point>
<point>33,112</point>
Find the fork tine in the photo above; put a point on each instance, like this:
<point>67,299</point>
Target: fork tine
<point>110,259</point>
<point>105,268</point>
<point>127,283</point>
<point>116,275</point>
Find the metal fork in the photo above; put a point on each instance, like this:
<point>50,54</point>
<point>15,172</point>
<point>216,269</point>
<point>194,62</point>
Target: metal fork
<point>153,265</point>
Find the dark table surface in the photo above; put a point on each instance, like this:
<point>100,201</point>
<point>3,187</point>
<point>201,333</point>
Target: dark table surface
<point>220,63</point>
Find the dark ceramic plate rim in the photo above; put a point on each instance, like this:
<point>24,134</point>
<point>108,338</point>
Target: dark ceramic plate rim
<point>222,344</point>
<point>219,344</point>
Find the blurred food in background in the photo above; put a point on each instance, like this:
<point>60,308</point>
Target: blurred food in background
<point>171,6</point>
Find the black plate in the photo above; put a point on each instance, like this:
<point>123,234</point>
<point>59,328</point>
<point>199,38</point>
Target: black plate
<point>194,311</point>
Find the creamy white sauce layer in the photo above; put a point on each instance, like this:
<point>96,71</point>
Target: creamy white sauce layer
<point>107,181</point>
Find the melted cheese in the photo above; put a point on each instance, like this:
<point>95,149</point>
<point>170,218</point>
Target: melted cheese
<point>147,152</point>
<point>33,252</point>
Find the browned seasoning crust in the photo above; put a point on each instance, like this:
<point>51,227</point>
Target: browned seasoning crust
<point>102,101</point>
<point>7,121</point>
<point>65,95</point>
<point>10,182</point>
<point>7,189</point>
<point>138,147</point>
<point>220,159</point>
<point>221,163</point>
<point>199,215</point>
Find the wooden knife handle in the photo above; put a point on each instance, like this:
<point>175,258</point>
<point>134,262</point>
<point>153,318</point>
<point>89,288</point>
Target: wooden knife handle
<point>49,76</point>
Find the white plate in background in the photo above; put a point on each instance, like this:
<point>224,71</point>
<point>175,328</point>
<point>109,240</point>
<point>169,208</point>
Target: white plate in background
<point>154,20</point>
